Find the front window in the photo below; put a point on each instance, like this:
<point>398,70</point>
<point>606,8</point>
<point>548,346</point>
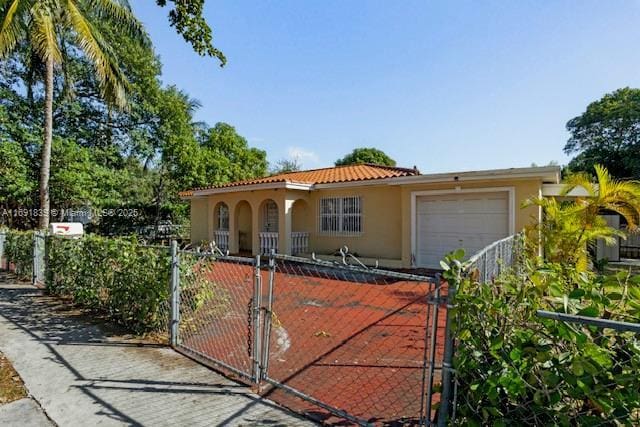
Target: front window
<point>340,215</point>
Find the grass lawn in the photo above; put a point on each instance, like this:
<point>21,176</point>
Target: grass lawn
<point>11,387</point>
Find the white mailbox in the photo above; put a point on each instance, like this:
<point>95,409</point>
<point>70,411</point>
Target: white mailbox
<point>66,229</point>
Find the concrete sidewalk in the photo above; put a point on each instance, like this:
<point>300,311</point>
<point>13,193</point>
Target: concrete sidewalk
<point>81,376</point>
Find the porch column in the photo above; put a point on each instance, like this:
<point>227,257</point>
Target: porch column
<point>284,227</point>
<point>234,244</point>
<point>255,229</point>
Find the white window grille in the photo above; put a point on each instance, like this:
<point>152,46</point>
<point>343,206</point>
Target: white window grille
<point>340,215</point>
<point>270,216</point>
<point>223,216</point>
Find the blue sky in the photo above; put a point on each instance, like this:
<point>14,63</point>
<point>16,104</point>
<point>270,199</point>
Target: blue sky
<point>445,86</point>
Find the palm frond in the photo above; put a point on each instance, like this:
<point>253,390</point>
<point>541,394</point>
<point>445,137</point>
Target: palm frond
<point>43,37</point>
<point>112,80</point>
<point>119,12</point>
<point>12,28</point>
<point>579,180</point>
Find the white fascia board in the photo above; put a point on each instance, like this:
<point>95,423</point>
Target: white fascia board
<point>252,187</point>
<point>555,190</point>
<point>547,173</point>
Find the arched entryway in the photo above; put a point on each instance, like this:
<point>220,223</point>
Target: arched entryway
<point>269,226</point>
<point>244,229</point>
<point>300,227</point>
<point>221,225</point>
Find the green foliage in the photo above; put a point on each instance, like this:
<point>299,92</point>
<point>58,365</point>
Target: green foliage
<point>514,368</point>
<point>19,251</point>
<point>285,166</point>
<point>608,133</point>
<point>366,155</point>
<point>127,282</point>
<point>15,180</point>
<point>102,157</point>
<point>187,17</point>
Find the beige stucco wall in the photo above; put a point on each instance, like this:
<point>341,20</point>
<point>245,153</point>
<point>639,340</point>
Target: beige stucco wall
<point>386,216</point>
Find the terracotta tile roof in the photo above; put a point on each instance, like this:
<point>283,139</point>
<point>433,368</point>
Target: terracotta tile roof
<point>349,173</point>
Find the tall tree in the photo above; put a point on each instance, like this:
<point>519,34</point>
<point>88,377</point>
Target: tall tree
<point>44,25</point>
<point>608,133</point>
<point>366,155</point>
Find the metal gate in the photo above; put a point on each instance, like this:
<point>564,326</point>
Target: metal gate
<point>329,341</point>
<point>215,314</point>
<point>360,344</point>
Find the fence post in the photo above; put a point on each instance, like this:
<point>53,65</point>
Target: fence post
<point>268,313</point>
<point>34,261</point>
<point>257,303</point>
<point>2,240</point>
<point>447,361</point>
<point>175,294</point>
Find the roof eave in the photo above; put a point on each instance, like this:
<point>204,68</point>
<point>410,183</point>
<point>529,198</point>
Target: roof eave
<point>250,187</point>
<point>548,174</point>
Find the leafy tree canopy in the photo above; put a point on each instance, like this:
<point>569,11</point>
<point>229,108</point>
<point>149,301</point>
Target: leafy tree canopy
<point>285,165</point>
<point>366,155</point>
<point>186,16</point>
<point>608,133</point>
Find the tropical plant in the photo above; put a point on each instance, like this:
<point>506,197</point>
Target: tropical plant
<point>571,225</point>
<point>45,26</point>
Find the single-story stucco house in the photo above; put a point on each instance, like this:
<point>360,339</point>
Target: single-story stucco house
<point>397,216</point>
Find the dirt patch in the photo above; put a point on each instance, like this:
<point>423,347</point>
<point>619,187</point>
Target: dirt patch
<point>11,386</point>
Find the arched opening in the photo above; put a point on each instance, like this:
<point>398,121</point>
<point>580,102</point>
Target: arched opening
<point>221,225</point>
<point>243,225</point>
<point>300,227</point>
<point>269,226</point>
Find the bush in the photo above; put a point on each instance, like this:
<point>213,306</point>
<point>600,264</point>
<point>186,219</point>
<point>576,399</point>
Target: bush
<point>515,368</point>
<point>19,251</point>
<point>119,277</point>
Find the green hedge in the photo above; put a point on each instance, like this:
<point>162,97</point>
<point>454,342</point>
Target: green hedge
<point>514,368</point>
<point>19,251</point>
<point>119,277</point>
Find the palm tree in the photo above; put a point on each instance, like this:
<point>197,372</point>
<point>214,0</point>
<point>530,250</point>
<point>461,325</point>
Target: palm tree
<point>570,226</point>
<point>43,25</point>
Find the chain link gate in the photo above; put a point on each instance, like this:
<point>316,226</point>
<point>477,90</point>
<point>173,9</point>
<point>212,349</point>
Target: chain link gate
<point>215,314</point>
<point>331,342</point>
<point>364,345</point>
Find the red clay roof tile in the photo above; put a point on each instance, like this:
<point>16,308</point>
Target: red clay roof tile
<point>331,175</point>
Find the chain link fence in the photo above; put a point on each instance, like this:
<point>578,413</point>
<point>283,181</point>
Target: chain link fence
<point>341,344</point>
<point>336,343</point>
<point>216,311</point>
<point>490,262</point>
<point>354,343</point>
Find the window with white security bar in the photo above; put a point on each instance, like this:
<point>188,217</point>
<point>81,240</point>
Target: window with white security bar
<point>340,216</point>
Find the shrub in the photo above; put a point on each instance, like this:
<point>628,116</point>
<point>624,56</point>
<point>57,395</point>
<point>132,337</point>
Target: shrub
<point>514,368</point>
<point>119,277</point>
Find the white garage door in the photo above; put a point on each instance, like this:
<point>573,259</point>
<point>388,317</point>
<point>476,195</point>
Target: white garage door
<point>447,222</point>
